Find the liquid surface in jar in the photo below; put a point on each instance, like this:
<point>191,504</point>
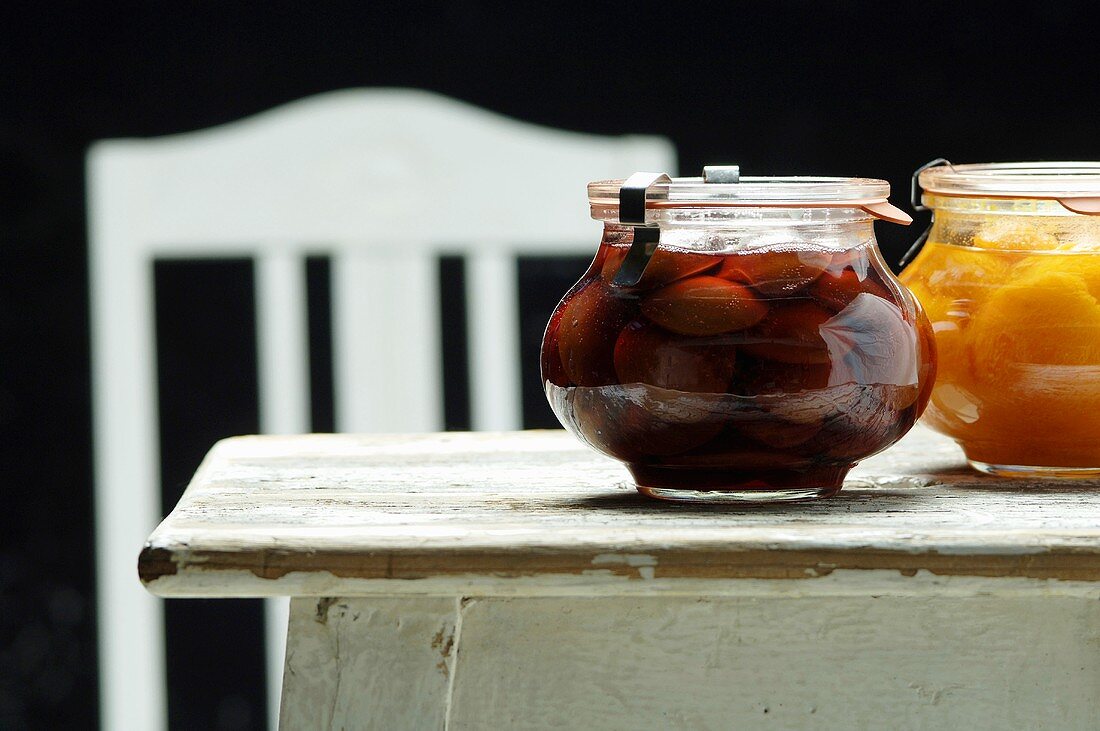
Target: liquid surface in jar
<point>772,368</point>
<point>1017,323</point>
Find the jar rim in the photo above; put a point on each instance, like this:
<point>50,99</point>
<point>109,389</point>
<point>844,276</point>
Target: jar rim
<point>1038,180</point>
<point>750,190</point>
<point>870,194</point>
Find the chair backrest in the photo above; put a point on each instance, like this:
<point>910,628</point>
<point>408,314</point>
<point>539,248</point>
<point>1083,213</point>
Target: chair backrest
<point>383,181</point>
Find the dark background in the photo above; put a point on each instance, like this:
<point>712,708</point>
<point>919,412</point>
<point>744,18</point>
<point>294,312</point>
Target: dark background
<point>870,89</point>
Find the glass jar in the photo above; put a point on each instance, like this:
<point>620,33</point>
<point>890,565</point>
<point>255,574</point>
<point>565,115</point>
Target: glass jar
<point>1010,277</point>
<point>739,341</point>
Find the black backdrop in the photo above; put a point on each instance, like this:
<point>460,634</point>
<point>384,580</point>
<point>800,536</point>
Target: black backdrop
<point>861,88</point>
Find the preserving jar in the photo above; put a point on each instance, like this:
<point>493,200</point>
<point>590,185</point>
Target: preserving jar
<point>1010,277</point>
<point>738,339</point>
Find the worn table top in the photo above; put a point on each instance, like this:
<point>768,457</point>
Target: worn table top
<point>325,514</point>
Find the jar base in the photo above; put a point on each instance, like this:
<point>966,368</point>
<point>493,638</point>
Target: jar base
<point>1036,471</point>
<point>716,485</point>
<point>744,497</point>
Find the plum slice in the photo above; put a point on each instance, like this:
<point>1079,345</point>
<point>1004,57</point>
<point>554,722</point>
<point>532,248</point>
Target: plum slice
<point>704,305</point>
<point>755,377</point>
<point>791,334</point>
<point>635,422</point>
<point>590,322</point>
<point>776,273</point>
<point>645,353</point>
<point>836,290</point>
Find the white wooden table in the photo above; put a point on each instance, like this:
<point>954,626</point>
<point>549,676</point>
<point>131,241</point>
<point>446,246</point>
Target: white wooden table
<point>516,580</point>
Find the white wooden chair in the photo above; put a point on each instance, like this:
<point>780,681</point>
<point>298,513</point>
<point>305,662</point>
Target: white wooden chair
<point>383,181</point>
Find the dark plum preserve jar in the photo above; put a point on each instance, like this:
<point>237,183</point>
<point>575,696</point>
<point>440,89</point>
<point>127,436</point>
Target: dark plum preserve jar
<point>752,345</point>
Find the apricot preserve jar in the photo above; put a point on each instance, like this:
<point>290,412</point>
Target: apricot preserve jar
<point>1010,277</point>
<point>738,339</point>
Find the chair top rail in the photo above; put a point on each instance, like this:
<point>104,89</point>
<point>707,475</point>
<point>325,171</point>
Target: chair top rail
<point>399,163</point>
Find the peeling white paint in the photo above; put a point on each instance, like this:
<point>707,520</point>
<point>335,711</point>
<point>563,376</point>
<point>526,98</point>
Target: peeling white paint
<point>605,582</point>
<point>951,660</point>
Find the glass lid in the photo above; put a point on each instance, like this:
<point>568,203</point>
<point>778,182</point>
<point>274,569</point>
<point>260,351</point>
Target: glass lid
<point>1076,185</point>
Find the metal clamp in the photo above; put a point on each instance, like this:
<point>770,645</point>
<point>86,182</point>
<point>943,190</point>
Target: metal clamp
<point>915,198</point>
<point>914,184</point>
<point>632,197</point>
<point>722,174</point>
<point>647,236</point>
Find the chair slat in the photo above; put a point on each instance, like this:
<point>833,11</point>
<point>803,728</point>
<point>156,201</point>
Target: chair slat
<point>283,344</point>
<point>493,326</point>
<point>388,372</point>
<point>283,341</point>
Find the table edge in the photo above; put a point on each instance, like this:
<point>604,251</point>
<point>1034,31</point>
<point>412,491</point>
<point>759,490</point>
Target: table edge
<point>1071,563</point>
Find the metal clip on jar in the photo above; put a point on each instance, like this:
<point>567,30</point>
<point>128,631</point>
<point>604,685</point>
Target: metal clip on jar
<point>1010,277</point>
<point>738,338</point>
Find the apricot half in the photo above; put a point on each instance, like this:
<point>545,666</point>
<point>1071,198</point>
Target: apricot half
<point>1049,318</point>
